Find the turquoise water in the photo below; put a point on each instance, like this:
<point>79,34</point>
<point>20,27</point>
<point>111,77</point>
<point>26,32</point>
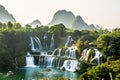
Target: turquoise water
<point>37,74</point>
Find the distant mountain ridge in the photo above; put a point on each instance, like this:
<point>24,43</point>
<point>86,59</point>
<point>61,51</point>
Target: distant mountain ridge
<point>35,23</point>
<point>68,19</point>
<point>62,17</point>
<point>5,16</point>
<point>79,24</point>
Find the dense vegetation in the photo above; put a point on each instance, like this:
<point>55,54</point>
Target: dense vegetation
<point>15,42</point>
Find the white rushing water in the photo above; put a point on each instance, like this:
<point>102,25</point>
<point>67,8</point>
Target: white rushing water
<point>32,44</point>
<point>30,60</point>
<point>63,58</point>
<point>52,44</point>
<point>86,54</point>
<point>70,65</point>
<point>45,41</point>
<point>38,43</point>
<point>46,60</point>
<point>69,41</point>
<point>97,56</point>
<point>71,52</point>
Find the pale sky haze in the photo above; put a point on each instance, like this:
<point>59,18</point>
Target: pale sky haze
<point>102,12</point>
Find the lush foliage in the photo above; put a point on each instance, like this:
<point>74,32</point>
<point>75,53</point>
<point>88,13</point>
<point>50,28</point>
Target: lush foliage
<point>106,71</point>
<point>15,40</point>
<point>109,43</point>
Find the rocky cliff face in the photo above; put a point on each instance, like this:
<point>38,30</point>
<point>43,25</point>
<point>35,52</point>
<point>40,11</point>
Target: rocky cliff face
<point>5,16</point>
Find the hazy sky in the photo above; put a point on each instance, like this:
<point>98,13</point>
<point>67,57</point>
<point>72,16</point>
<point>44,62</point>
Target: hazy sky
<point>102,12</point>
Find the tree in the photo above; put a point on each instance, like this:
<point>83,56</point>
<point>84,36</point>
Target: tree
<point>13,45</point>
<point>0,25</point>
<point>107,71</point>
<point>10,25</point>
<point>109,43</point>
<point>17,26</point>
<point>58,29</point>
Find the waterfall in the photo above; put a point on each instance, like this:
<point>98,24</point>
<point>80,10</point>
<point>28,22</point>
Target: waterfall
<point>59,52</point>
<point>97,56</point>
<point>71,52</point>
<point>52,44</point>
<point>46,60</point>
<point>45,41</point>
<point>86,54</point>
<point>71,65</point>
<point>30,60</point>
<point>53,53</point>
<point>32,44</point>
<point>38,42</point>
<point>69,41</point>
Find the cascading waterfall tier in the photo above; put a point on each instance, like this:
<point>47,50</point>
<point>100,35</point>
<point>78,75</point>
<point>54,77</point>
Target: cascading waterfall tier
<point>37,46</point>
<point>30,60</point>
<point>46,60</point>
<point>45,41</point>
<point>71,65</point>
<point>69,52</point>
<point>97,55</point>
<point>38,42</point>
<point>52,44</point>
<point>69,41</point>
<point>58,57</point>
<point>63,58</point>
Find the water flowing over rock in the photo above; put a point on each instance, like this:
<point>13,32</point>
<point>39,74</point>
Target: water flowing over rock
<point>58,57</point>
<point>45,41</point>
<point>30,60</point>
<point>52,44</point>
<point>96,56</point>
<point>32,44</point>
<point>38,42</point>
<point>36,45</point>
<point>46,60</point>
<point>71,65</point>
<point>63,58</point>
<point>85,54</point>
<point>69,41</point>
<point>71,52</point>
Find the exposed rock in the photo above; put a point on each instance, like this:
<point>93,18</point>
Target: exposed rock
<point>9,73</point>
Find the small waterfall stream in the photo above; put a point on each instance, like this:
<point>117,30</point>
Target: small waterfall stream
<point>69,41</point>
<point>30,60</point>
<point>52,44</point>
<point>86,54</point>
<point>70,65</point>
